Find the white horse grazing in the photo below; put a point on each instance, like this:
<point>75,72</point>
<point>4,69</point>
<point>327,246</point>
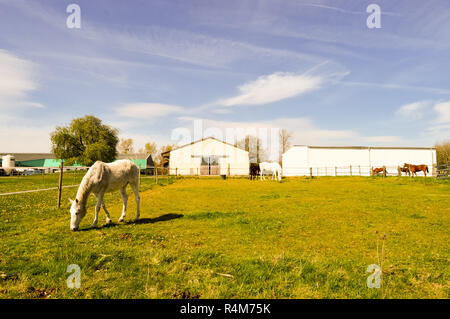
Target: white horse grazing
<point>267,167</point>
<point>100,179</point>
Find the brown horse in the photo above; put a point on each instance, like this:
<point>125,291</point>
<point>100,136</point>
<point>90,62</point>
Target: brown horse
<point>416,168</point>
<point>379,170</point>
<point>405,170</point>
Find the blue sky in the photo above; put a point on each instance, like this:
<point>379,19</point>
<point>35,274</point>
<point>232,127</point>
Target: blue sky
<point>148,67</point>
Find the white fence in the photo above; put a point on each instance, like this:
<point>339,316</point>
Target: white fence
<point>301,171</point>
<point>348,171</point>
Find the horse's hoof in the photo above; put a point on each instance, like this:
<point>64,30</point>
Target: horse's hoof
<point>94,225</point>
<point>136,219</point>
<point>120,219</point>
<point>108,221</point>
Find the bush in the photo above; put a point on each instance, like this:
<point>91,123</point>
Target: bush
<point>443,153</point>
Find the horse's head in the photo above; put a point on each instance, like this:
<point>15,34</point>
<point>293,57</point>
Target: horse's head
<point>77,212</point>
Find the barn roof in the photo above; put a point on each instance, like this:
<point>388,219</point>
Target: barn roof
<point>19,157</point>
<point>49,159</point>
<point>133,156</point>
<point>201,140</point>
<point>368,147</point>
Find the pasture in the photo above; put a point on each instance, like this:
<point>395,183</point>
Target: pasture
<point>234,238</point>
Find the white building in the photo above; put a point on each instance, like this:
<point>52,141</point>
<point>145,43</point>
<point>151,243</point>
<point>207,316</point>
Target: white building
<point>302,160</point>
<point>208,156</point>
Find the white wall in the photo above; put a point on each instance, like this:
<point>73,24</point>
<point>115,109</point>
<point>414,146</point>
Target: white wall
<point>186,160</point>
<point>298,160</point>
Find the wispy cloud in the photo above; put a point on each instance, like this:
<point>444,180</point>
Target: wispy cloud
<point>398,86</point>
<point>283,85</point>
<point>304,131</point>
<point>341,10</point>
<point>147,110</point>
<point>412,111</point>
<point>17,79</point>
<point>443,112</point>
<point>271,88</point>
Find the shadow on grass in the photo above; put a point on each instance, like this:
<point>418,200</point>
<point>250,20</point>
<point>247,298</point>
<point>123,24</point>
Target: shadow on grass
<point>162,218</point>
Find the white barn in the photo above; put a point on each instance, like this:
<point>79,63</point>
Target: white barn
<point>209,156</point>
<point>303,160</point>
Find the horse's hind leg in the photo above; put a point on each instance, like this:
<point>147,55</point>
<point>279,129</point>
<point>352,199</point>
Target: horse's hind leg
<point>135,188</point>
<point>123,193</point>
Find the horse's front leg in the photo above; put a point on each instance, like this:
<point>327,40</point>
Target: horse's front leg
<point>97,209</point>
<point>123,193</point>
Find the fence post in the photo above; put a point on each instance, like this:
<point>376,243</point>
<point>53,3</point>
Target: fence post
<point>399,171</point>
<point>384,171</point>
<point>350,170</point>
<point>61,167</point>
<point>176,172</point>
<point>229,170</point>
<point>335,171</point>
<point>359,169</point>
<point>156,174</point>
<point>326,171</point>
<point>371,171</point>
<point>139,172</point>
<point>310,172</point>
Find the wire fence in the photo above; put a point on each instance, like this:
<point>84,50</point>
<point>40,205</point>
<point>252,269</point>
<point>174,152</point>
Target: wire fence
<point>443,171</point>
<point>313,171</point>
<point>34,179</point>
<point>353,170</point>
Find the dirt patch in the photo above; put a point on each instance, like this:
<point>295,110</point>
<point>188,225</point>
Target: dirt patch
<point>125,236</point>
<point>186,295</point>
<point>41,293</point>
<point>5,277</point>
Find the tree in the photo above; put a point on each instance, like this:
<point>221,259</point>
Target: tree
<point>149,148</point>
<point>165,148</point>
<point>443,152</point>
<point>85,140</point>
<point>253,146</point>
<point>285,141</point>
<point>126,146</point>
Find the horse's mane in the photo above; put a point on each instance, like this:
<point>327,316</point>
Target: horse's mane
<point>93,176</point>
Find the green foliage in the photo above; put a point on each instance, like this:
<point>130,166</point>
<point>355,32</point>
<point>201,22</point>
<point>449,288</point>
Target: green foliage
<point>126,146</point>
<point>443,152</point>
<point>85,141</point>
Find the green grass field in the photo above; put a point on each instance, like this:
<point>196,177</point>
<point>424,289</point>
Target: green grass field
<point>235,238</point>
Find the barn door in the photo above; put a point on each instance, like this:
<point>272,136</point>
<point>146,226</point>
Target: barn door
<point>210,165</point>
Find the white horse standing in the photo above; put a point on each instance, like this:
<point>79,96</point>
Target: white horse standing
<point>273,167</point>
<point>100,179</point>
